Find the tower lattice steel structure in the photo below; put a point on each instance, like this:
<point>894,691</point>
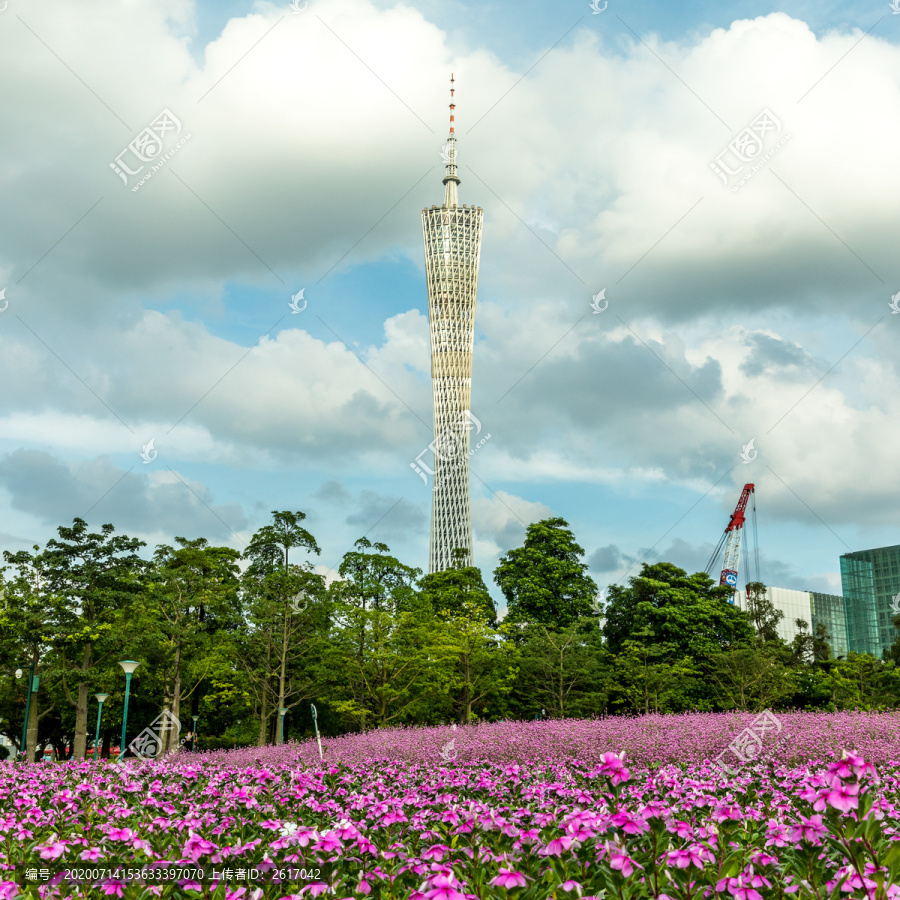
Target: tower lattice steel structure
<point>452,250</point>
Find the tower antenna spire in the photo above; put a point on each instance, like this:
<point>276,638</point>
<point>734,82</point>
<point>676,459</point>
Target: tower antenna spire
<point>452,104</point>
<point>451,179</point>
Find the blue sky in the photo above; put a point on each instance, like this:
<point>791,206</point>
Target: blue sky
<point>745,311</point>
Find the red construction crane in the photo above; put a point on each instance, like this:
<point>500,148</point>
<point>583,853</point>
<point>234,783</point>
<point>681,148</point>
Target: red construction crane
<point>731,540</point>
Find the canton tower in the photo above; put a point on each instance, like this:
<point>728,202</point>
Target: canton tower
<point>452,250</point>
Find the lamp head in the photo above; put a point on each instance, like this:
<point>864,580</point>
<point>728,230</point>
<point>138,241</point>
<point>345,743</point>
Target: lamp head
<point>129,665</point>
<point>18,673</point>
<point>101,697</point>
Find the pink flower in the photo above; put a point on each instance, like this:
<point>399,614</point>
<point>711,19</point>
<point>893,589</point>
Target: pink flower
<point>8,890</point>
<point>611,764</point>
<point>738,889</point>
<point>622,863</point>
<point>851,765</point>
<point>558,846</point>
<point>197,846</point>
<point>841,796</point>
<point>571,886</point>
<point>92,854</point>
<point>113,888</point>
<point>508,879</point>
<point>53,851</point>
<point>810,829</point>
<point>442,889</point>
<point>695,855</point>
<point>328,843</point>
<point>120,834</point>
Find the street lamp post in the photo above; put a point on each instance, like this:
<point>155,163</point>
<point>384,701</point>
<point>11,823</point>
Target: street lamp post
<point>128,665</point>
<point>194,744</point>
<point>282,710</point>
<point>316,725</point>
<point>100,699</point>
<point>31,688</point>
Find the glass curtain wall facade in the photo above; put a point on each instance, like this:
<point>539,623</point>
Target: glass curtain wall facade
<point>871,580</point>
<point>828,610</point>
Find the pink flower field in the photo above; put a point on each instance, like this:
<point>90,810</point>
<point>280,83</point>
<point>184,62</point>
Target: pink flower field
<point>614,808</point>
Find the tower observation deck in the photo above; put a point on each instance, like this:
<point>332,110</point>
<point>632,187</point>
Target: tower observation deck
<point>452,250</point>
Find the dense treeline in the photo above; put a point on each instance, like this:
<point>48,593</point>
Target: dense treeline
<point>233,639</point>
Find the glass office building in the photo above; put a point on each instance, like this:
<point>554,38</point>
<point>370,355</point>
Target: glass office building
<point>828,610</point>
<point>870,580</point>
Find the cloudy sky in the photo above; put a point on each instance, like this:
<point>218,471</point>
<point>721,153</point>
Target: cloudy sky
<point>724,172</point>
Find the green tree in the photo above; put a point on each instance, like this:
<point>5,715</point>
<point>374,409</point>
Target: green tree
<point>821,645</point>
<point>187,591</point>
<point>894,651</point>
<point>483,662</point>
<point>26,633</point>
<point>545,580</point>
<point>650,679</point>
<point>762,613</point>
<point>749,679</point>
<point>279,595</point>
<point>89,578</point>
<point>386,662</point>
<point>563,670</point>
<point>861,680</point>
<point>689,613</point>
<point>452,590</point>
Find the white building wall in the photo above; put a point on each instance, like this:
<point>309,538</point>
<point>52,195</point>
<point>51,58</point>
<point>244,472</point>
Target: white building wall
<point>794,605</point>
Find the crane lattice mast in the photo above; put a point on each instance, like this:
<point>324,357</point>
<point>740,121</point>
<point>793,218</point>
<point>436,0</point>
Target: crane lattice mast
<point>732,541</point>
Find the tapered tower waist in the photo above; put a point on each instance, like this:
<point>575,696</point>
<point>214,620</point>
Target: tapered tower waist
<point>452,251</point>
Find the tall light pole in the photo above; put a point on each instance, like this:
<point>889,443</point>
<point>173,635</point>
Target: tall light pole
<point>316,725</point>
<point>129,665</point>
<point>32,687</point>
<point>100,699</point>
<point>194,743</point>
<point>282,710</point>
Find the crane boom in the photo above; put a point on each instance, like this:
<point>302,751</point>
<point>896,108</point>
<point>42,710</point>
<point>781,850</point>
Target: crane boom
<point>734,531</point>
<point>732,540</point>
